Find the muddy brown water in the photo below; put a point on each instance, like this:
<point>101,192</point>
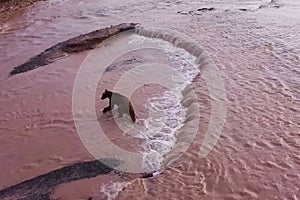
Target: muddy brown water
<point>257,52</point>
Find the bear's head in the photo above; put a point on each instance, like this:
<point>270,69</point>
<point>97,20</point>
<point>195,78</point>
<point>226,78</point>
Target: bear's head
<point>106,94</point>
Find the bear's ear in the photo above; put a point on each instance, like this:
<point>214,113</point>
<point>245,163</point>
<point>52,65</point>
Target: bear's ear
<point>105,90</point>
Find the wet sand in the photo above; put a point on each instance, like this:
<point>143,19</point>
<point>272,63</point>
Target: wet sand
<point>257,155</point>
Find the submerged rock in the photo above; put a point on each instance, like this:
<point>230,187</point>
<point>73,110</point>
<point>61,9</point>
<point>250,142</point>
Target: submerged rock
<point>41,186</point>
<point>199,11</point>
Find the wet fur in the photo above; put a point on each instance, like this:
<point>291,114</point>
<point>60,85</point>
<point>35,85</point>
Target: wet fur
<point>123,103</point>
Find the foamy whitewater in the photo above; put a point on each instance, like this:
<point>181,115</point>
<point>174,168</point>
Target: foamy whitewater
<point>159,130</point>
<point>112,190</point>
<point>166,112</point>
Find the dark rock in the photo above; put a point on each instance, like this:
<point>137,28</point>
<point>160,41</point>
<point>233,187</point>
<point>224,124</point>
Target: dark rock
<point>147,175</point>
<point>196,12</point>
<point>110,68</point>
<point>74,45</point>
<point>206,9</point>
<point>41,187</point>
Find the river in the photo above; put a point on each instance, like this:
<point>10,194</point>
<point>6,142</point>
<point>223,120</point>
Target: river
<point>255,45</point>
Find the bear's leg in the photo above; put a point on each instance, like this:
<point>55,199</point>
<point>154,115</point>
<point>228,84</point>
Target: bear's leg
<point>108,108</point>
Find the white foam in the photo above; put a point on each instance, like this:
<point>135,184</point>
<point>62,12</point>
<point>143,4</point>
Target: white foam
<point>159,129</point>
<point>112,190</point>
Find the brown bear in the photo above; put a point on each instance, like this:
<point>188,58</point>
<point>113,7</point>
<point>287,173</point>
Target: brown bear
<point>123,103</point>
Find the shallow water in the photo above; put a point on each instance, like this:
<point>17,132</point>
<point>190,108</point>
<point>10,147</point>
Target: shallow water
<point>257,52</point>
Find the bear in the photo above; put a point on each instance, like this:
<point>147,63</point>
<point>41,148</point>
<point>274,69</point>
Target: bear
<point>123,103</point>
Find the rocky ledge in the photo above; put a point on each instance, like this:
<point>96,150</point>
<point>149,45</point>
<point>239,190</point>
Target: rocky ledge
<point>74,45</point>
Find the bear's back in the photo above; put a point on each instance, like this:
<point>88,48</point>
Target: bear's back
<point>119,99</point>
